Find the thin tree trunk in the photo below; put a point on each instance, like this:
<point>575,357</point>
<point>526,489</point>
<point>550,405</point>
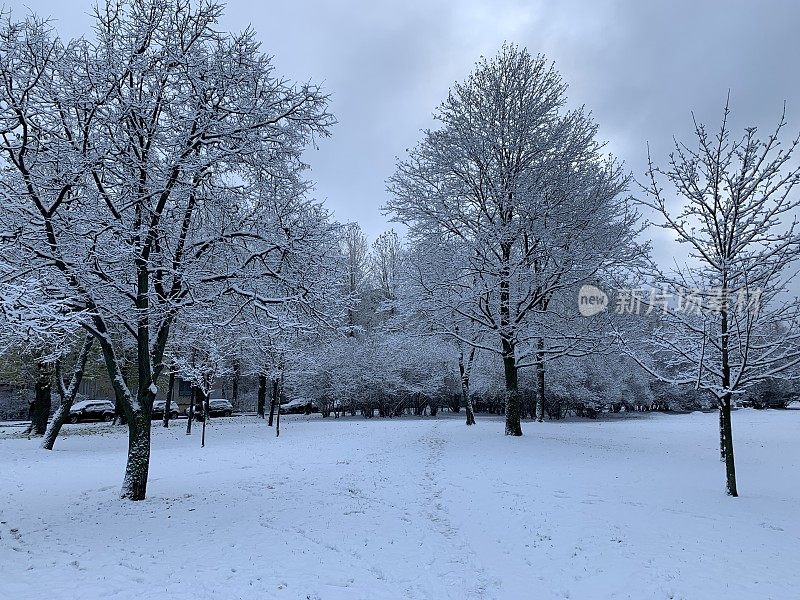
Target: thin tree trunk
<point>58,420</point>
<point>262,395</point>
<point>721,433</point>
<point>192,397</point>
<point>278,420</point>
<point>273,400</point>
<point>67,393</point>
<point>205,420</point>
<point>277,400</point>
<point>727,428</point>
<point>235,384</point>
<point>465,395</point>
<point>540,380</point>
<point>168,403</point>
<point>119,413</point>
<point>727,431</point>
<point>468,404</point>
<point>43,400</point>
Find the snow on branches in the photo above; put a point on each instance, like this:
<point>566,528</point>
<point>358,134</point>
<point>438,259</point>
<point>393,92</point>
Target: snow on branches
<point>133,163</point>
<point>516,196</point>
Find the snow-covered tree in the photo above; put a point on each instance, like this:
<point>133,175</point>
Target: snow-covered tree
<point>356,255</point>
<point>46,331</point>
<point>127,158</point>
<point>430,307</point>
<point>727,320</point>
<point>386,265</point>
<point>519,192</point>
<point>278,321</point>
<point>67,389</point>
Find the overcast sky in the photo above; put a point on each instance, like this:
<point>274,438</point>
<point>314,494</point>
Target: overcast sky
<point>640,67</point>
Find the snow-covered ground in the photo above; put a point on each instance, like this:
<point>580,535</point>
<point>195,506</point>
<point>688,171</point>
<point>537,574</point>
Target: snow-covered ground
<point>425,508</point>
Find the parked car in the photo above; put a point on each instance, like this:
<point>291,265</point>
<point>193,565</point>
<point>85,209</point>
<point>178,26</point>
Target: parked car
<point>298,406</point>
<point>160,405</point>
<point>91,410</point>
<point>217,407</point>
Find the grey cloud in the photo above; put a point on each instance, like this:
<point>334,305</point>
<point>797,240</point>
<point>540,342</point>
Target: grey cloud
<point>641,67</point>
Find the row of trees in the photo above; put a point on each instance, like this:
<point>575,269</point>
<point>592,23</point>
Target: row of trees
<point>158,214</point>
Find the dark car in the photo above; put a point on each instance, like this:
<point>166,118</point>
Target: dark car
<point>217,407</point>
<point>160,405</point>
<point>298,406</point>
<point>91,410</point>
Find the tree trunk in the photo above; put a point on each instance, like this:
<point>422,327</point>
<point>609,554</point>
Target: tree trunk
<point>721,433</point>
<point>190,416</point>
<point>273,400</point>
<point>43,400</point>
<point>168,403</point>
<point>138,410</point>
<point>468,404</point>
<point>262,394</point>
<point>67,394</point>
<point>540,380</point>
<point>134,486</point>
<point>58,420</point>
<point>465,395</point>
<point>507,348</point>
<point>235,384</point>
<point>727,432</point>
<point>727,429</point>
<point>120,418</point>
<point>278,419</point>
<point>205,420</point>
<point>512,399</point>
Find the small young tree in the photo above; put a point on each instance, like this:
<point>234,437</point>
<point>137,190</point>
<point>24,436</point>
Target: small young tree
<point>207,357</point>
<point>730,324</point>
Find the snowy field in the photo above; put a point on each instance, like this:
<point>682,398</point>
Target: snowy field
<point>425,508</point>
